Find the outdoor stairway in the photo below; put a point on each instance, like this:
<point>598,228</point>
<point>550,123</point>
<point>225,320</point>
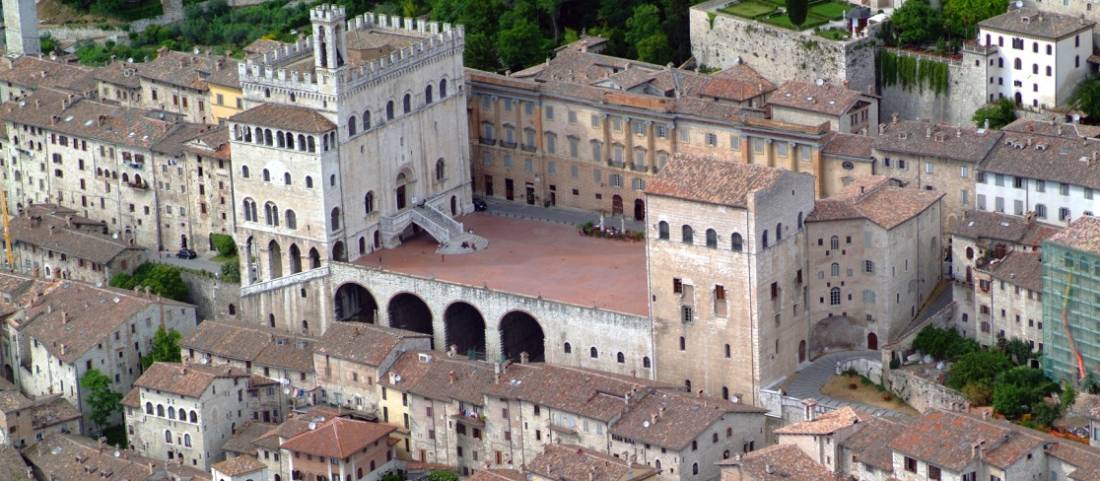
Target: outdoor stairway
<point>441,226</point>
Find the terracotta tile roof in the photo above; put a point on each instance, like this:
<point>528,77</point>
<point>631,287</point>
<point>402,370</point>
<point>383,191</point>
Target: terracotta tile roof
<point>738,83</point>
<point>297,119</point>
<point>980,225</point>
<point>874,198</point>
<point>592,394</point>
<point>60,229</point>
<point>871,442</point>
<point>11,400</point>
<point>262,46</point>
<point>706,179</point>
<point>338,437</point>
<point>119,73</point>
<point>51,412</point>
<point>917,137</point>
<point>70,317</point>
<point>1082,234</point>
<point>847,145</point>
<point>1052,128</point>
<point>251,343</point>
<point>1035,23</point>
<point>12,465</point>
<point>826,423</point>
<point>1024,269</point>
<point>565,462</point>
<point>174,141</point>
<point>243,439</point>
<point>779,462</point>
<point>673,419</point>
<point>188,70</point>
<point>212,143</point>
<point>429,374</point>
<point>497,475</point>
<point>190,380</point>
<point>70,457</point>
<point>57,111</point>
<point>1054,159</point>
<point>826,99</point>
<point>37,73</point>
<point>362,343</point>
<point>239,466</point>
<point>132,398</point>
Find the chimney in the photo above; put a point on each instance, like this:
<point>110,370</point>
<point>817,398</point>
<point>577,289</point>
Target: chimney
<point>768,468</point>
<point>928,132</point>
<point>652,419</point>
<point>976,448</point>
<point>451,377</point>
<point>523,357</point>
<point>64,317</point>
<point>496,373</point>
<point>810,405</point>
<point>958,133</point>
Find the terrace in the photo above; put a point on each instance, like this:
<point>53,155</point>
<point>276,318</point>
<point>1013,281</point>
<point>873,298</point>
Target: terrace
<point>825,17</point>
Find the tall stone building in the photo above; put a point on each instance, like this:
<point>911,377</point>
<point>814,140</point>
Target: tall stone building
<point>726,265</point>
<point>348,138</point>
<point>21,27</point>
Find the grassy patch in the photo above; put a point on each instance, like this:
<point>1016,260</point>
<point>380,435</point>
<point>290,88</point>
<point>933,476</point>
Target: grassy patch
<point>749,9</point>
<point>781,20</point>
<point>116,436</point>
<point>833,34</point>
<point>829,10</point>
<point>856,388</point>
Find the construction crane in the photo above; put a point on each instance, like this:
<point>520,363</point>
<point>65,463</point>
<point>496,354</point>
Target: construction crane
<point>7,229</point>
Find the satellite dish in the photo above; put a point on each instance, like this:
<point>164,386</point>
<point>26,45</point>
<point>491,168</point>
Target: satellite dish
<point>312,426</point>
<point>645,424</point>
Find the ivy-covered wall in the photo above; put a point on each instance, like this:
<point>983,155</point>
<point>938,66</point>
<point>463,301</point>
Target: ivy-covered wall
<point>947,91</point>
<point>912,72</point>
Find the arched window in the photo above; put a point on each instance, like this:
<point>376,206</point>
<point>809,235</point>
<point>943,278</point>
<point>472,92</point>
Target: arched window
<point>406,104</point>
<point>428,94</point>
<point>389,110</point>
<point>334,218</point>
<point>443,89</point>
<point>712,239</point>
<point>160,410</point>
<point>662,230</point>
<point>834,270</point>
<point>439,169</point>
<point>778,232</point>
<point>267,137</point>
<point>657,464</point>
<point>171,412</point>
<point>567,348</point>
<point>834,242</point>
<point>351,125</point>
<point>725,392</point>
<point>259,135</point>
<point>312,142</point>
<point>764,240</point>
<point>366,120</point>
<point>620,358</point>
<point>280,140</point>
<point>593,352</point>
<point>645,362</point>
<point>969,252</point>
<point>167,436</point>
<point>148,408</point>
<point>291,219</point>
<point>244,171</point>
<point>694,468</point>
<point>301,142</point>
<point>834,296</point>
<point>194,417</point>
<point>186,439</point>
<point>267,175</point>
<point>368,202</point>
<point>286,178</point>
<point>271,214</point>
<point>309,182</point>
<point>736,242</point>
<point>289,140</point>
<point>686,234</point>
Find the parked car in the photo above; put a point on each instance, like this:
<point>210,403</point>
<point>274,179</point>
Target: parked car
<point>480,205</point>
<point>186,253</point>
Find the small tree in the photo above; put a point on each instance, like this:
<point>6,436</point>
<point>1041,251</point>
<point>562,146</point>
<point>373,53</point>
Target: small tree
<point>102,401</point>
<point>442,476</point>
<point>917,23</point>
<point>1087,98</point>
<point>999,114</point>
<point>977,367</point>
<point>1018,390</point>
<point>166,347</point>
<point>797,10</point>
<point>224,244</point>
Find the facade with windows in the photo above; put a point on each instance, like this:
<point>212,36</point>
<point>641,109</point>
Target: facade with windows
<point>1036,58</point>
<point>727,274</point>
<point>874,253</point>
<point>1008,301</point>
<point>1071,279</point>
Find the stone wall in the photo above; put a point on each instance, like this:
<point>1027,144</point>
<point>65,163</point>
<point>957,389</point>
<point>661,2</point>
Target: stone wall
<point>719,39</point>
<point>212,298</point>
<point>965,93</point>
<point>923,394</point>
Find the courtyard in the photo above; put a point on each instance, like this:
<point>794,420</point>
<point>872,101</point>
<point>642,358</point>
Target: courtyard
<point>773,12</point>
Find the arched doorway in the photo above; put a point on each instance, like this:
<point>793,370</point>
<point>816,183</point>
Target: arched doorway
<point>454,205</point>
<point>274,260</point>
<point>355,303</point>
<point>802,351</point>
<point>616,204</point>
<point>314,258</point>
<point>519,332</point>
<point>249,266</point>
<point>1019,99</point>
<point>339,253</point>
<point>409,312</point>
<point>639,209</point>
<point>295,259</point>
<point>465,329</point>
<point>402,182</point>
<point>183,241</point>
<point>872,341</point>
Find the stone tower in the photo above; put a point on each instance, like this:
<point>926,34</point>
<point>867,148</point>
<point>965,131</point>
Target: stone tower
<point>21,27</point>
<point>329,35</point>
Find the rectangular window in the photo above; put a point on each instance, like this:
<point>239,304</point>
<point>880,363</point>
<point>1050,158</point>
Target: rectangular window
<point>595,120</point>
<point>572,117</point>
<point>549,109</point>
<point>910,464</point>
<point>712,140</point>
<point>964,197</point>
<point>981,201</point>
<point>1040,185</point>
<point>1063,188</point>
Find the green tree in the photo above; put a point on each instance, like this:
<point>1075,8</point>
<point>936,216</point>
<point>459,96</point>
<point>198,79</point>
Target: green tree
<point>224,244</point>
<point>162,279</point>
<point>978,394</point>
<point>102,401</point>
<point>646,36</point>
<point>1017,390</point>
<point>977,367</point>
<point>442,476</point>
<point>1016,349</point>
<point>166,347</point>
<point>998,114</point>
<point>231,271</point>
<point>797,10</point>
<point>1087,98</point>
<point>916,23</point>
<point>552,9</point>
<point>961,17</point>
<point>520,43</point>
<point>1068,397</point>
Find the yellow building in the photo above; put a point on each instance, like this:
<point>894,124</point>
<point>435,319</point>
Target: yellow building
<point>226,99</point>
<point>394,406</point>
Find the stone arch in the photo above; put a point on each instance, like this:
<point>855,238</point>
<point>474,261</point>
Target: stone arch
<point>464,328</point>
<point>520,332</point>
<point>339,252</point>
<point>401,186</point>
<point>354,302</point>
<point>274,260</point>
<point>295,259</point>
<point>410,312</point>
<point>314,258</point>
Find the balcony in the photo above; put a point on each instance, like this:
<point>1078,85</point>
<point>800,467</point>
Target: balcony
<point>616,163</point>
<point>636,167</point>
<point>528,148</point>
<point>139,184</point>
<point>508,144</point>
<point>487,141</point>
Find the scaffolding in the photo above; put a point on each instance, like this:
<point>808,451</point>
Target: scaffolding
<point>1071,311</point>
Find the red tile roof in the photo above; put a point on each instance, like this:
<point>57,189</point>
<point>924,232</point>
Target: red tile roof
<point>707,179</point>
<point>338,437</point>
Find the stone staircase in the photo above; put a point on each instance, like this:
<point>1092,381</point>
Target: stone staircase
<point>440,225</point>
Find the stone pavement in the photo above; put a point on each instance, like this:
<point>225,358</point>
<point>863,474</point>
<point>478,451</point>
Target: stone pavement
<point>807,382</point>
<point>561,215</point>
<point>198,263</point>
